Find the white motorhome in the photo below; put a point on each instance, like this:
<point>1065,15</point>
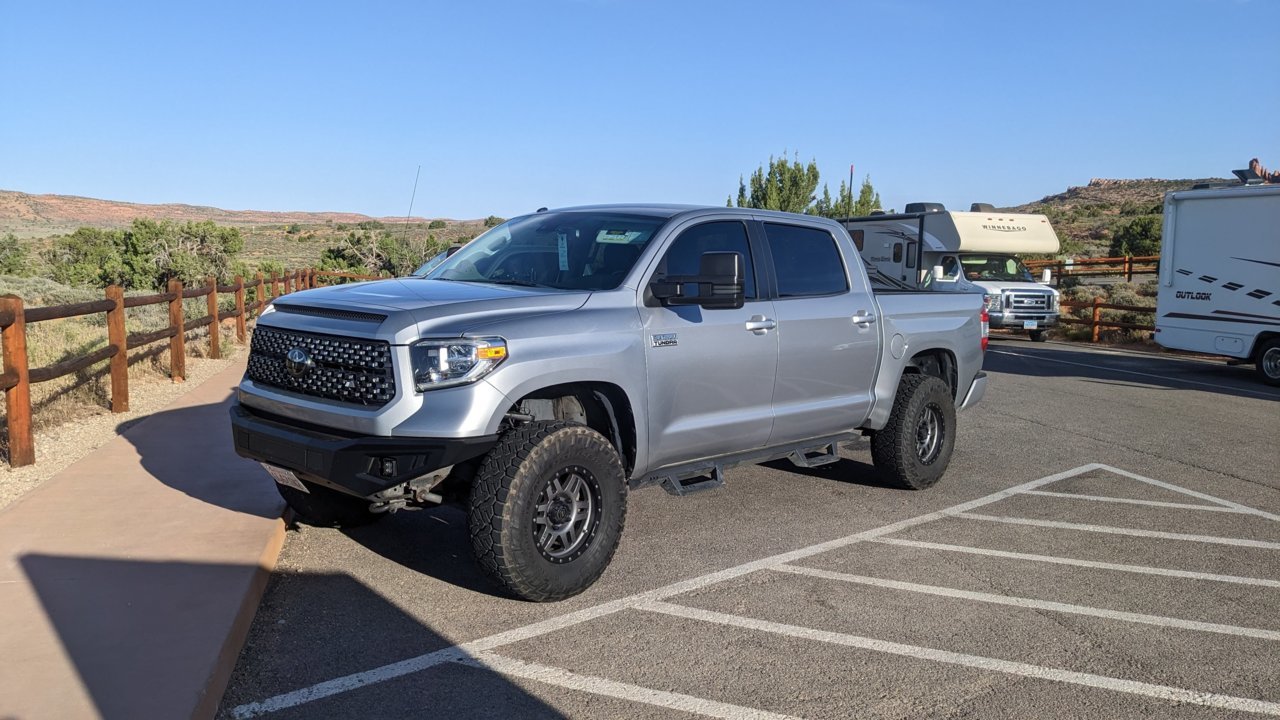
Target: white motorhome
<point>1220,274</point>
<point>977,251</point>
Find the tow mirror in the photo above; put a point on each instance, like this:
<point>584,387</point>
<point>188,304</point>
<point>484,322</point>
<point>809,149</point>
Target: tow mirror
<point>939,273</point>
<point>1045,276</point>
<point>719,282</point>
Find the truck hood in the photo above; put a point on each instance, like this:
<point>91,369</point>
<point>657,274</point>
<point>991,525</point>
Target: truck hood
<point>1001,286</point>
<point>415,308</point>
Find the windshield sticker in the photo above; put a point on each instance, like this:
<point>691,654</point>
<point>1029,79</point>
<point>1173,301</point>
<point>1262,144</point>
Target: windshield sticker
<point>619,237</point>
<point>562,245</point>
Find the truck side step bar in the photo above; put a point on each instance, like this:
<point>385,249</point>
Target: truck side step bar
<point>815,456</point>
<point>690,483</point>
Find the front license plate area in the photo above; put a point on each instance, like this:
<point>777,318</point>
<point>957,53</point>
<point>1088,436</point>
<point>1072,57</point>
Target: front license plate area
<point>285,477</point>
<point>1030,324</point>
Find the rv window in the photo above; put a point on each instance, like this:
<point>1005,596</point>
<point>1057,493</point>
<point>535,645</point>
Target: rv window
<point>806,261</point>
<point>911,254</point>
<point>897,252</point>
<point>857,239</point>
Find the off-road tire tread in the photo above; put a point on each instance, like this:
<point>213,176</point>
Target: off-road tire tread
<point>886,445</point>
<point>490,509</point>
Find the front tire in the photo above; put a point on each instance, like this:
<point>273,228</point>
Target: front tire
<point>913,450</point>
<point>1038,335</point>
<point>546,510</point>
<point>324,507</point>
<point>1268,364</point>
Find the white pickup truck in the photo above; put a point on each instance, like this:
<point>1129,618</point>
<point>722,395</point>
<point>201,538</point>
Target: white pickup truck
<point>568,356</point>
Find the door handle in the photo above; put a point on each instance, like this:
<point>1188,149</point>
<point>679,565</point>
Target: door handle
<point>863,319</point>
<point>760,324</point>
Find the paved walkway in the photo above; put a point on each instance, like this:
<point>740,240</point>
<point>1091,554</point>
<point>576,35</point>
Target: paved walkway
<point>128,581</point>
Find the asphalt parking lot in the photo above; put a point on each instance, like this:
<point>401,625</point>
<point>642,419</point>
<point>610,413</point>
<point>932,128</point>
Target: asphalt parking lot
<point>1106,543</point>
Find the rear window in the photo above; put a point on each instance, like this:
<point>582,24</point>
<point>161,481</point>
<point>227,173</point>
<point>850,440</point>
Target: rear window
<point>806,261</point>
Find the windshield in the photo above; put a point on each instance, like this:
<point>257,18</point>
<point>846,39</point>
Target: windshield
<point>995,267</point>
<point>561,250</point>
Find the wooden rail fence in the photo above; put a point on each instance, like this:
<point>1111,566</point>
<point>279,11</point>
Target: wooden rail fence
<point>1127,266</point>
<point>17,378</point>
<point>1096,320</point>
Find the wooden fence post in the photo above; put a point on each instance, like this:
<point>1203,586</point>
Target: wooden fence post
<point>177,343</point>
<point>215,325</point>
<point>240,329</point>
<point>1128,268</point>
<point>1097,317</point>
<point>260,294</point>
<point>275,285</point>
<point>120,361</point>
<point>22,449</point>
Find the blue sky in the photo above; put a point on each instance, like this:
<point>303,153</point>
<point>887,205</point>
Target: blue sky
<point>509,106</point>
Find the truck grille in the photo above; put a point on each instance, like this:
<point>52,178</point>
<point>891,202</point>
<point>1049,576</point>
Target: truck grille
<point>1027,302</point>
<point>354,371</point>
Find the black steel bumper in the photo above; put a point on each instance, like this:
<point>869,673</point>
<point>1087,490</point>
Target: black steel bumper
<point>352,463</point>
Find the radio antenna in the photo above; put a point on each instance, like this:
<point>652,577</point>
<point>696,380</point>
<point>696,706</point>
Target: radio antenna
<point>412,197</point>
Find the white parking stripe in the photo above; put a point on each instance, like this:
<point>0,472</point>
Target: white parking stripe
<point>1240,542</point>
<point>624,691</point>
<point>1131,501</point>
<point>1133,687</point>
<point>1139,569</point>
<point>1192,493</point>
<point>423,662</point>
<point>1033,604</point>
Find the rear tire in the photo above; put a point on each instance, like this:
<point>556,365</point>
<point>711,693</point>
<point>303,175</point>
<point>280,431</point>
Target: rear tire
<point>913,450</point>
<point>1268,365</point>
<point>324,507</point>
<point>547,509</point>
<point>1038,335</point>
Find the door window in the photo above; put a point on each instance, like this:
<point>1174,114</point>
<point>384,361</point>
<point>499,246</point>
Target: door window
<point>806,260</point>
<point>685,254</point>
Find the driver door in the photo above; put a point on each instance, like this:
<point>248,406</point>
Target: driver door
<point>711,372</point>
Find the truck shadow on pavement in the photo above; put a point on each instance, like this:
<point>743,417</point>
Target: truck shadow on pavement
<point>190,450</point>
<point>140,638</point>
<point>1053,360</point>
<point>433,542</point>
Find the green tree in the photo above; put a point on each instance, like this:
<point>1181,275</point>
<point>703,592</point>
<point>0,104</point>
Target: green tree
<point>1139,236</point>
<point>436,225</point>
<point>14,257</point>
<point>868,199</point>
<point>785,185</point>
<point>493,221</point>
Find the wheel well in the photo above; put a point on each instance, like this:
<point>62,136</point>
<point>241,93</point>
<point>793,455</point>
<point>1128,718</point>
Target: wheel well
<point>938,363</point>
<point>1261,342</point>
<point>603,407</point>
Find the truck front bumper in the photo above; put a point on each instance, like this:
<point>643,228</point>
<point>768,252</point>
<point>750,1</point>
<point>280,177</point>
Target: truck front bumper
<point>350,463</point>
<point>1018,320</point>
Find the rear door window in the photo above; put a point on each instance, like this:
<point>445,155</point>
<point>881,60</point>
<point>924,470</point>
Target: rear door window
<point>806,260</point>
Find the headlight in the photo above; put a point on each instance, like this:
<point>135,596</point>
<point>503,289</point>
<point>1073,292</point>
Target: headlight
<point>446,363</point>
<point>1057,302</point>
<point>993,301</point>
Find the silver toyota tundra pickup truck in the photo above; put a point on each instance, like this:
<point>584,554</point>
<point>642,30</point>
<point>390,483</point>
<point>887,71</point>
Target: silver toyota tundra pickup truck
<point>565,357</point>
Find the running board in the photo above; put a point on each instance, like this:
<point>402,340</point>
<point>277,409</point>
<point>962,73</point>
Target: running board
<point>693,482</point>
<point>815,456</point>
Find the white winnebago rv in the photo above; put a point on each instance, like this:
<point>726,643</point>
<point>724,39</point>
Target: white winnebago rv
<point>977,251</point>
<point>1220,274</point>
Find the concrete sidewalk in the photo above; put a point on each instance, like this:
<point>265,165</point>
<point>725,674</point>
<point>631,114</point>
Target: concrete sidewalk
<point>128,581</point>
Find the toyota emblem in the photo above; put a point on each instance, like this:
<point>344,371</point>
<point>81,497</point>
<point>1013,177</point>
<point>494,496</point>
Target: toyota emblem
<point>298,363</point>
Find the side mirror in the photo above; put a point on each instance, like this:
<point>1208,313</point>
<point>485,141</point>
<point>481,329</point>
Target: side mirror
<point>719,282</point>
<point>939,273</point>
<point>1045,276</point>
